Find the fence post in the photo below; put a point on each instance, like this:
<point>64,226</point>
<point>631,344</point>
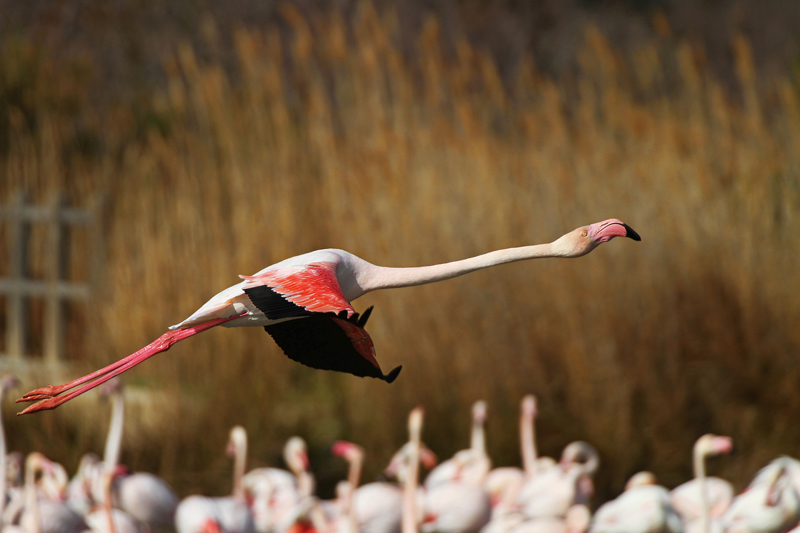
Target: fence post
<point>17,305</point>
<point>54,270</point>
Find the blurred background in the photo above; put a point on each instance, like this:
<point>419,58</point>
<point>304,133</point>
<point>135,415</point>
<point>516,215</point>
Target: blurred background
<point>190,141</point>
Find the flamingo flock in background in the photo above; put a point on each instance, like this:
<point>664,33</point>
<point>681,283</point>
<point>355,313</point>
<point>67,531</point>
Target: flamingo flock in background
<point>304,303</point>
<point>461,495</point>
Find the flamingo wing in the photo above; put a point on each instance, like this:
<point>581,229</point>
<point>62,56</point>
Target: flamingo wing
<point>297,291</point>
<point>316,325</point>
<point>331,342</point>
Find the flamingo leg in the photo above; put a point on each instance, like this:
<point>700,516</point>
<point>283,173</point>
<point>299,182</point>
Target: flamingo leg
<point>50,397</point>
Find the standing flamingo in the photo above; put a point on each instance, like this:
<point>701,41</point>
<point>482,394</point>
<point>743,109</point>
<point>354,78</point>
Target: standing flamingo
<point>198,514</point>
<point>304,304</point>
<point>410,519</point>
<point>6,383</point>
<point>505,482</point>
<point>555,490</point>
<point>704,498</point>
<point>471,464</point>
<point>279,497</point>
<point>644,506</point>
<point>378,505</point>
<point>45,515</point>
<point>769,505</point>
<point>144,496</point>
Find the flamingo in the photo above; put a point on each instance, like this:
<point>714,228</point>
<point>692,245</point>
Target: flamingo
<point>504,483</point>
<point>42,514</point>
<point>470,465</point>
<point>642,507</point>
<point>577,520</point>
<point>555,490</point>
<point>304,304</point>
<point>79,490</point>
<point>279,497</point>
<point>456,507</point>
<point>6,383</point>
<point>769,505</point>
<point>144,496</point>
<point>198,514</point>
<point>378,505</point>
<point>704,498</point>
<point>410,517</point>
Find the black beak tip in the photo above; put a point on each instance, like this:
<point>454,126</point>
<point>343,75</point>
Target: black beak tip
<point>391,376</point>
<point>630,233</point>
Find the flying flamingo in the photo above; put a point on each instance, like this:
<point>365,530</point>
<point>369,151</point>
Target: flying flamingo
<point>198,514</point>
<point>704,498</point>
<point>304,304</point>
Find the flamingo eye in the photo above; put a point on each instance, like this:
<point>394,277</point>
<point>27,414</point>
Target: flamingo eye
<point>584,233</point>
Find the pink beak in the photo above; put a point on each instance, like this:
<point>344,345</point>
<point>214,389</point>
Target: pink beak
<point>608,229</point>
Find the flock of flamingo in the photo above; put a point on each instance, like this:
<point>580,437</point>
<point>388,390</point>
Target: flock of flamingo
<point>463,494</point>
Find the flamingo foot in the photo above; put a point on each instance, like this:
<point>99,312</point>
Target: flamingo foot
<point>52,396</point>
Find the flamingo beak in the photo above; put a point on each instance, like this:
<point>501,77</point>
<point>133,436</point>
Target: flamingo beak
<point>630,233</point>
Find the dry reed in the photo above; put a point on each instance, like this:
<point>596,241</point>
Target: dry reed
<point>341,141</point>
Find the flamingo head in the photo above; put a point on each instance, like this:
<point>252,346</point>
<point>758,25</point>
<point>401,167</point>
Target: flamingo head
<point>296,455</point>
<point>111,387</point>
<point>581,454</point>
<point>641,479</point>
<point>479,412</point>
<point>415,421</point>
<point>347,450</point>
<point>713,445</point>
<point>8,382</point>
<point>583,240</point>
<point>427,457</point>
<point>236,441</point>
<point>529,406</point>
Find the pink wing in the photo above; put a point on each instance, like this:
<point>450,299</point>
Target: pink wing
<point>314,287</point>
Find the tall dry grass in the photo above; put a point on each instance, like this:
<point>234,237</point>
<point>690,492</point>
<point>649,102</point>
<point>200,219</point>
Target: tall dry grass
<point>338,140</point>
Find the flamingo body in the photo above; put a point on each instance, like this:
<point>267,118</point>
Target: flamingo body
<point>642,508</point>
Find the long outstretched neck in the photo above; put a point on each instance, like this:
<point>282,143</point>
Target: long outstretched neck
<point>391,278</point>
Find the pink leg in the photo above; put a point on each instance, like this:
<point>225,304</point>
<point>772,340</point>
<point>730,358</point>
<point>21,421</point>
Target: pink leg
<point>49,395</point>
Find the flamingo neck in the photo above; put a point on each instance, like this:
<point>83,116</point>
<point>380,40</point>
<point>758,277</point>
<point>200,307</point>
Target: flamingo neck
<point>114,438</point>
<point>239,466</point>
<point>354,475</point>
<point>379,277</point>
<point>3,453</point>
<point>478,438</point>
<point>700,476</point>
<point>527,439</point>
<point>409,520</point>
<point>33,464</point>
